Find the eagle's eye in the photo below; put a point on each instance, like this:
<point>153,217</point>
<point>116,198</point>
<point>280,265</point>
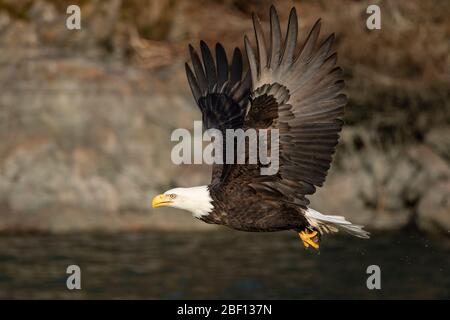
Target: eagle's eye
<point>172,195</point>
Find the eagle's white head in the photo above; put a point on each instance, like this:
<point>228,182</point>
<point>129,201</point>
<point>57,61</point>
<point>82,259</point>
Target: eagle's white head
<point>196,200</point>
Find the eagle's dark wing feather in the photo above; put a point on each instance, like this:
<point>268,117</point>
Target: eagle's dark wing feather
<point>220,90</point>
<point>301,95</point>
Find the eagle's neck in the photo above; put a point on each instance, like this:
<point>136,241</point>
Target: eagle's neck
<point>198,201</point>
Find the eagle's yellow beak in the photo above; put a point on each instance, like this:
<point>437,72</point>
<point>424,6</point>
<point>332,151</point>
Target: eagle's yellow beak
<point>161,200</point>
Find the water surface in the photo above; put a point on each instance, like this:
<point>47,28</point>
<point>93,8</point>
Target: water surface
<point>223,264</point>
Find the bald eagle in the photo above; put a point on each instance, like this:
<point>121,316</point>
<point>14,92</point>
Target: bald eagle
<point>298,92</point>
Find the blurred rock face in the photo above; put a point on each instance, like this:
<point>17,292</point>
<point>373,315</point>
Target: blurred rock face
<point>91,137</point>
<point>86,118</point>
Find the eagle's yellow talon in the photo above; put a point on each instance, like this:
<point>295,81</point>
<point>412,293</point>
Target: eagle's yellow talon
<point>307,239</point>
<point>313,234</point>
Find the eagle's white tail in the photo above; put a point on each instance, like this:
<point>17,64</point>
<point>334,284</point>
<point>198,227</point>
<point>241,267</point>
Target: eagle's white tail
<point>327,223</point>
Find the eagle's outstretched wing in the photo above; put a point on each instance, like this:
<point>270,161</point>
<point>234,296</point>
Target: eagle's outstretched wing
<point>220,90</point>
<point>301,95</point>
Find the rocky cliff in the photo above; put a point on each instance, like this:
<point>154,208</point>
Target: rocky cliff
<point>86,116</point>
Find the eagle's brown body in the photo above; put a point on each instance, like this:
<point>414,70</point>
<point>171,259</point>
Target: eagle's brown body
<point>261,215</point>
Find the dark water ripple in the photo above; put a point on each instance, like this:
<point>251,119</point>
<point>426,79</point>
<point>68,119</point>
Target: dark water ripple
<point>225,264</point>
